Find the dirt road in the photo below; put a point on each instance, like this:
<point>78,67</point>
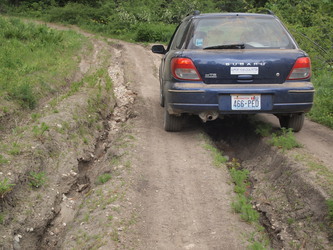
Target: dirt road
<point>162,189</point>
<point>185,202</point>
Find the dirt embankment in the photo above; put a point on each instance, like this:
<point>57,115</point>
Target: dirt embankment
<point>118,180</point>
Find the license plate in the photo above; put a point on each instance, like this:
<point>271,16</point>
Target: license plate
<point>245,102</point>
<point>244,70</point>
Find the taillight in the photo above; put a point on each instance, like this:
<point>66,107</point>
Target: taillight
<point>301,69</point>
<point>184,69</point>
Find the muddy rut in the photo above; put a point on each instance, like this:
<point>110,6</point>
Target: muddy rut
<point>162,189</point>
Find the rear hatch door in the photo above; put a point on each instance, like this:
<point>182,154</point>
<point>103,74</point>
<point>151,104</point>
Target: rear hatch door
<point>256,66</point>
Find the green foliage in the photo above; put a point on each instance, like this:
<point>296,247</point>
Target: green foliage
<point>5,187</point>
<point>241,204</point>
<point>32,58</point>
<point>263,129</point>
<point>244,207</point>
<point>257,246</point>
<point>37,180</point>
<point>35,116</point>
<point>239,177</point>
<point>285,140</point>
<point>147,32</point>
<point>15,149</point>
<point>104,178</point>
<point>322,110</point>
<point>2,218</point>
<point>219,159</point>
<point>311,22</point>
<point>330,209</point>
<point>3,160</point>
<point>39,131</point>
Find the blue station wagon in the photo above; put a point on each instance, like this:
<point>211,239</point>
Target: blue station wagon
<point>233,64</point>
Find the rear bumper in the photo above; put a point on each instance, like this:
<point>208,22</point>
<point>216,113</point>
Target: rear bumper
<point>194,98</point>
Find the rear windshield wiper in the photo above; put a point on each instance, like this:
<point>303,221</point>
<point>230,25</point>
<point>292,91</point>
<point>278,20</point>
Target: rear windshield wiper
<point>227,46</point>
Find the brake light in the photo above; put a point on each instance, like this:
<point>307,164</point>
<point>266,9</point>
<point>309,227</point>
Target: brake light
<point>301,69</point>
<point>184,69</point>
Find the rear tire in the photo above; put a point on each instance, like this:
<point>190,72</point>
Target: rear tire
<point>294,121</point>
<point>172,123</point>
<point>161,96</point>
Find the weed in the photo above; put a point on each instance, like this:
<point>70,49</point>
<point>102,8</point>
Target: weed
<point>36,180</point>
<point>263,129</point>
<point>15,150</point>
<point>33,59</point>
<point>2,219</point>
<point>85,140</point>
<point>39,131</point>
<point>330,209</point>
<point>128,164</point>
<point>24,93</point>
<point>115,161</point>
<point>257,246</point>
<point>290,221</point>
<point>219,159</point>
<point>115,236</point>
<point>244,207</point>
<point>104,178</point>
<point>35,116</point>
<point>3,160</point>
<point>323,104</point>
<point>86,217</point>
<point>285,140</point>
<point>5,187</point>
<point>234,163</point>
<point>242,204</point>
<point>240,177</point>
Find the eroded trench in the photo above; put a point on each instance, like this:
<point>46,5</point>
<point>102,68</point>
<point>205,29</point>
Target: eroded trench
<point>67,205</point>
<point>79,184</point>
<point>292,206</point>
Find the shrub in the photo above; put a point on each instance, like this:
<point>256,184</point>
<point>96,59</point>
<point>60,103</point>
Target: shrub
<point>322,110</point>
<point>285,140</point>
<point>147,32</point>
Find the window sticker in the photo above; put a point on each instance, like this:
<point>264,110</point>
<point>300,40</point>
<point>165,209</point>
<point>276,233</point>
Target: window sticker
<point>198,42</point>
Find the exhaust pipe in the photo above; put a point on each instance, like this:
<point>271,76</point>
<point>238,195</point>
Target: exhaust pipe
<point>209,116</point>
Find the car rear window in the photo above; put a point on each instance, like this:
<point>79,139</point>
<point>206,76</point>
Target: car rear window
<point>252,31</point>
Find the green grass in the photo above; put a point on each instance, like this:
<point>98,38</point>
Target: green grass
<point>263,129</point>
<point>3,160</point>
<point>104,178</point>
<point>5,187</point>
<point>330,209</point>
<point>2,218</point>
<point>242,204</point>
<point>15,149</point>
<point>40,130</point>
<point>37,179</point>
<point>219,159</point>
<point>34,60</point>
<point>322,110</point>
<point>285,140</point>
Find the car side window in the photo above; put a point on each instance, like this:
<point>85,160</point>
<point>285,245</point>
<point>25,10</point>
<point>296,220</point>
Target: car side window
<point>180,36</point>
